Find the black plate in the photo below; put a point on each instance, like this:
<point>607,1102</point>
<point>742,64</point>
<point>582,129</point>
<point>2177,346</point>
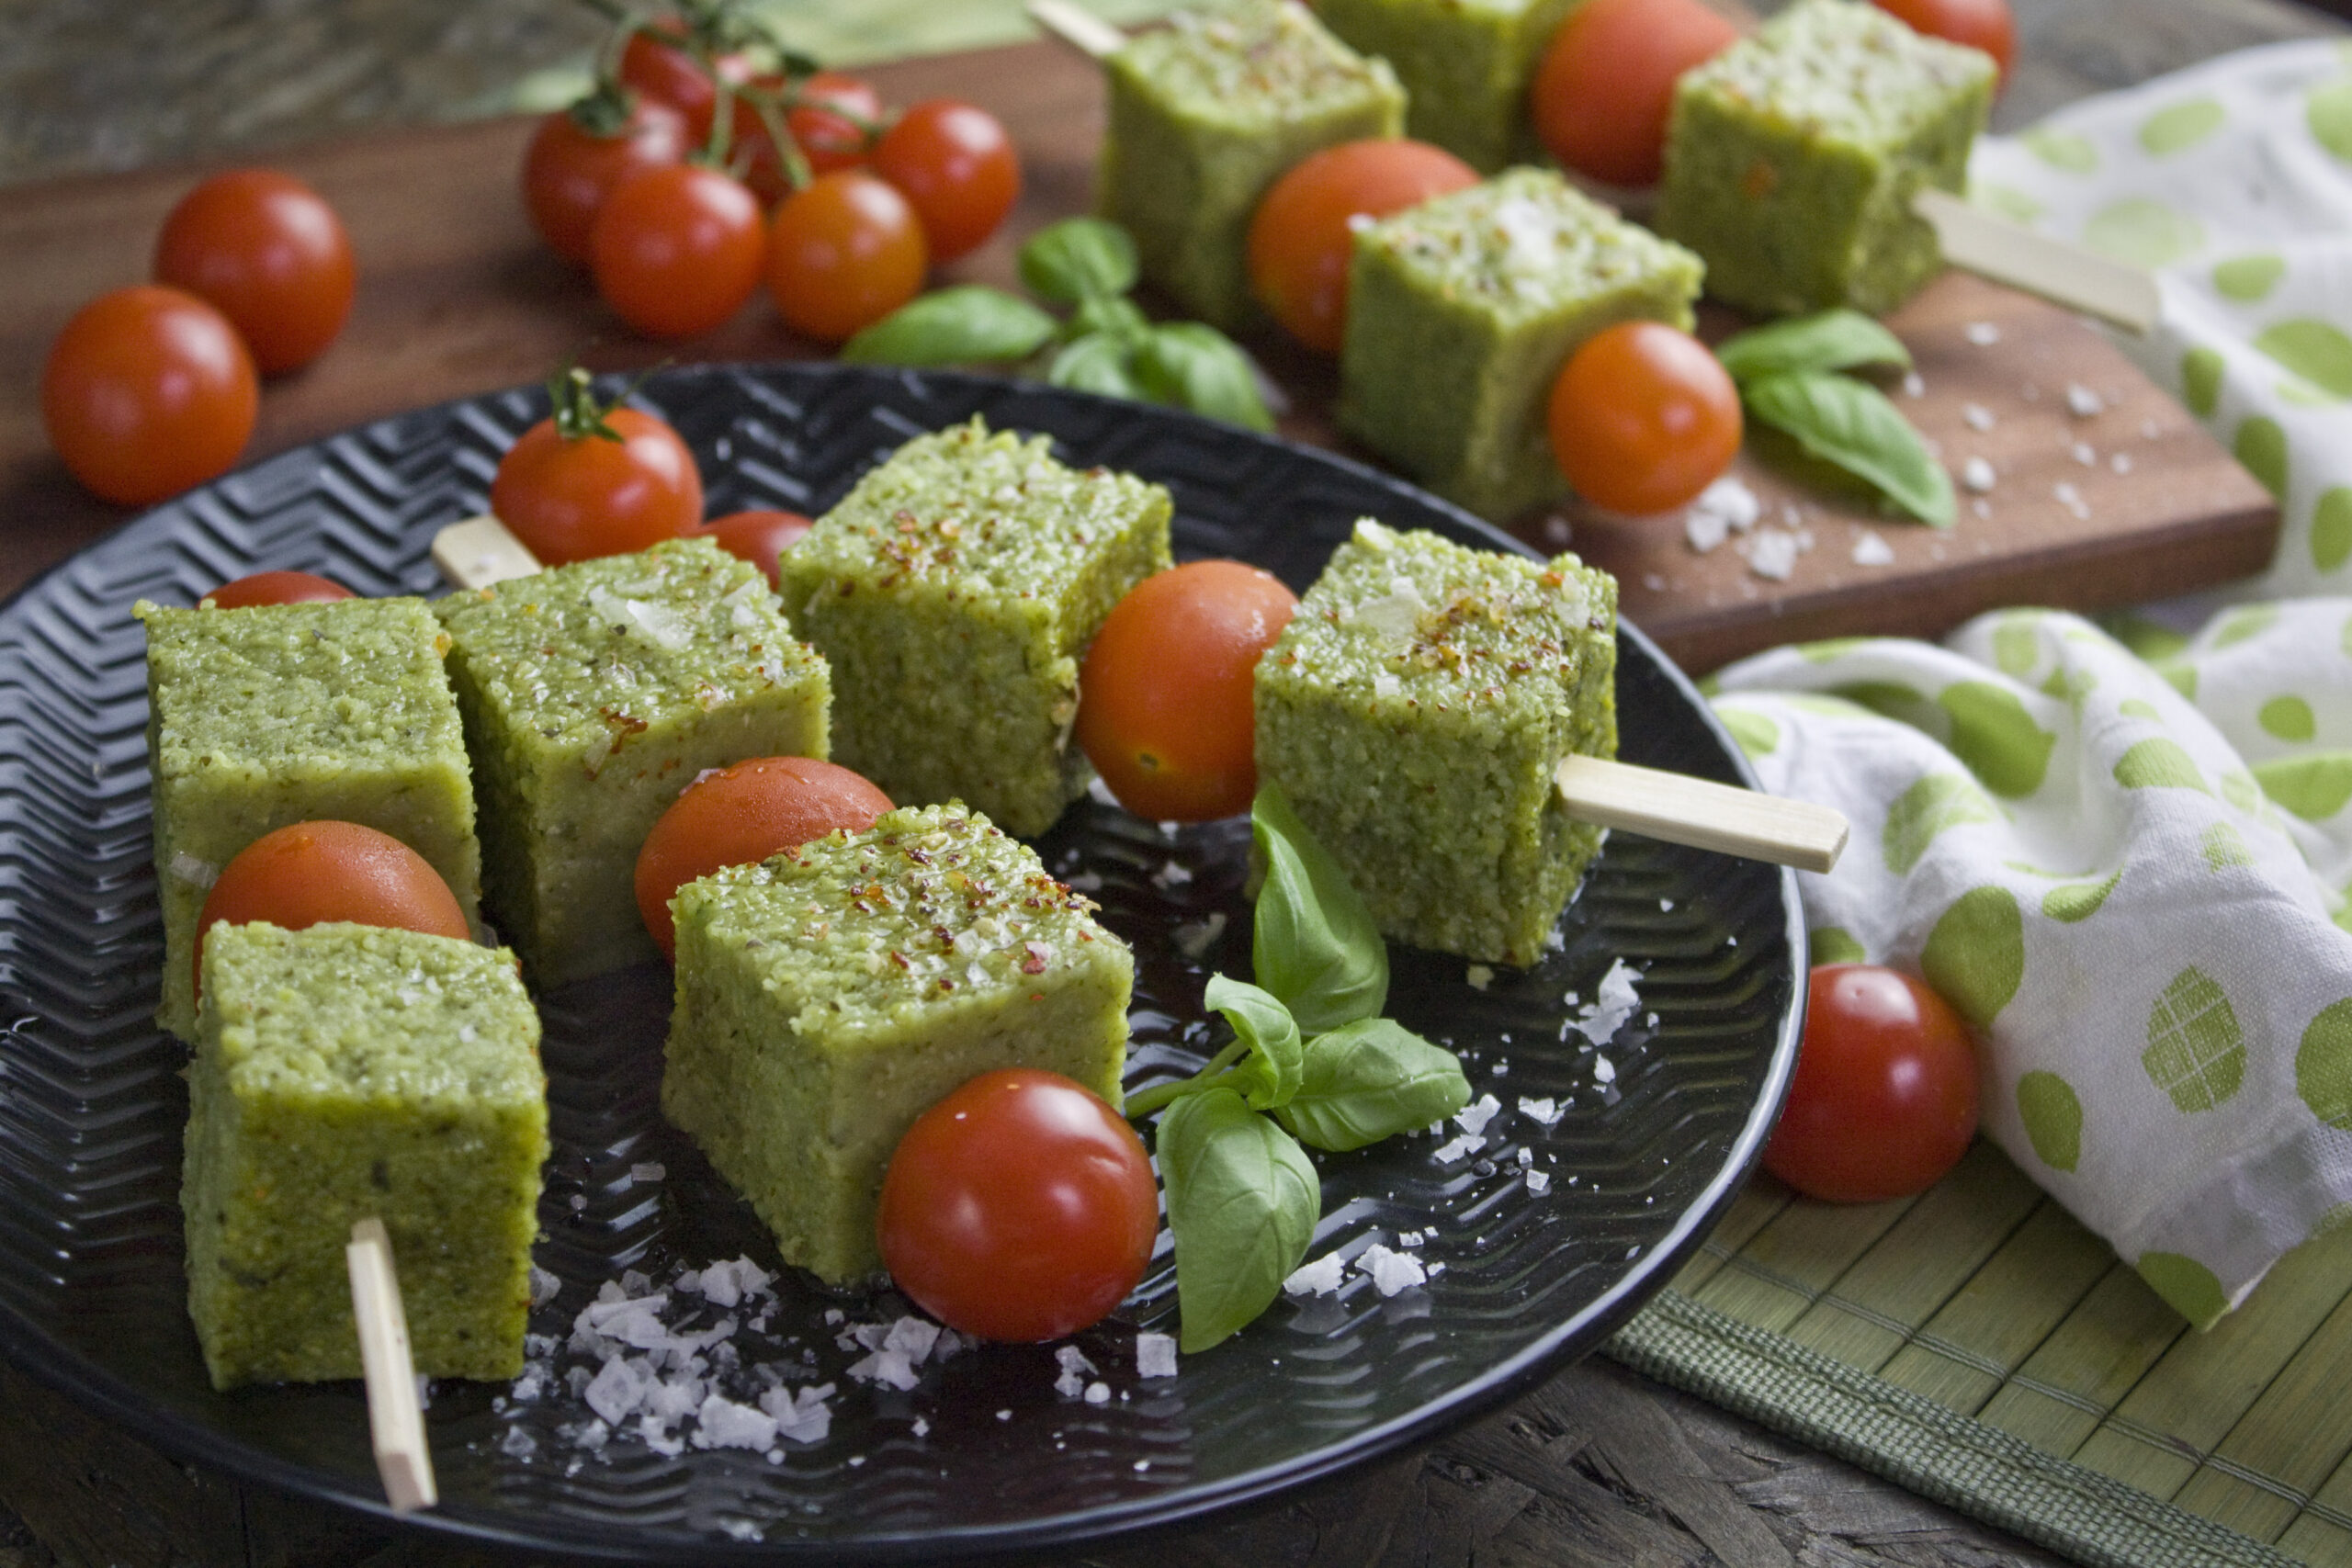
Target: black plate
<point>92,1105</point>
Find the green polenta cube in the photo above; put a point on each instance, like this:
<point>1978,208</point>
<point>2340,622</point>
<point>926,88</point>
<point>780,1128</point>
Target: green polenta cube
<point>1461,312</point>
<point>345,1072</point>
<point>1208,112</point>
<point>1466,65</point>
<point>828,998</point>
<point>1415,711</point>
<point>1792,158</point>
<point>594,694</point>
<point>258,719</point>
<point>954,591</point>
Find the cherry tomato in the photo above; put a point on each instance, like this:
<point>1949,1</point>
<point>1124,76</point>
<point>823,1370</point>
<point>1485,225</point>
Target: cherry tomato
<point>270,254</point>
<point>1643,417</point>
<point>957,166</point>
<point>1601,93</point>
<point>316,872</point>
<point>669,74</point>
<point>677,250</point>
<point>277,588</point>
<point>1884,1099</point>
<point>1980,24</point>
<point>827,123</point>
<point>569,493</point>
<point>147,392</point>
<point>572,166</point>
<point>842,254</point>
<point>1021,1207</point>
<point>757,537</point>
<point>1164,704</point>
<point>742,815</point>
<point>1304,230</point>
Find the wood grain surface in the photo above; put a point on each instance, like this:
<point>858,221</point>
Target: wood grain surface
<point>458,297</point>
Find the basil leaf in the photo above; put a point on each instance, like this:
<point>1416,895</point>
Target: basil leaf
<point>1078,259</point>
<point>1242,1201</point>
<point>1369,1080</point>
<point>1118,318</point>
<point>954,326</point>
<point>1833,340</point>
<point>1189,365</point>
<point>1850,423</point>
<point>1314,946</point>
<point>1096,363</point>
<point>1270,1073</point>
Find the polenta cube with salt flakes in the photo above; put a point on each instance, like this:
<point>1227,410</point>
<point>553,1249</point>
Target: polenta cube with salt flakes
<point>953,592</point>
<point>592,694</point>
<point>830,996</point>
<point>1414,712</point>
<point>277,714</point>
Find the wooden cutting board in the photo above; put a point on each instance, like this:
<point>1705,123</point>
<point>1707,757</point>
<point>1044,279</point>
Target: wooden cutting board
<point>457,297</point>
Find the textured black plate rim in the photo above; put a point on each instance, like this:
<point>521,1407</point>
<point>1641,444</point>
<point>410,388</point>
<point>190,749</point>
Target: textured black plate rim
<point>34,1351</point>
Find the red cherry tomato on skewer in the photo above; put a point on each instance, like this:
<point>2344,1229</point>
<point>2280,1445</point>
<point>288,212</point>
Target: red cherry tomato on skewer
<point>277,588</point>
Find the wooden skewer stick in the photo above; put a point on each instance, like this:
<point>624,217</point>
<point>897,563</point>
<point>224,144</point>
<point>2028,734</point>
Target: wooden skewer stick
<point>2064,274</point>
<point>479,551</point>
<point>1081,30</point>
<point>395,1424</point>
<point>1683,811</point>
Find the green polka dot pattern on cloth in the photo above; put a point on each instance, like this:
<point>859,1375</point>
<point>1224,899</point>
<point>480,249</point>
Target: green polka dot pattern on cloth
<point>2130,892</point>
<point>2233,181</point>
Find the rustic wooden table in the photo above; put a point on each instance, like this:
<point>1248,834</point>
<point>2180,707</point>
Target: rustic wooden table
<point>1597,1466</point>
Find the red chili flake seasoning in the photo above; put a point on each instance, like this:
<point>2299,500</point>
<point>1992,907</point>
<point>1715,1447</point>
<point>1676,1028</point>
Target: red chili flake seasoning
<point>899,959</point>
<point>1033,957</point>
<point>945,983</point>
<point>908,522</point>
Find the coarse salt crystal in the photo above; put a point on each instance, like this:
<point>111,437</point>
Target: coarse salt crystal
<point>1870,549</point>
<point>2084,456</point>
<point>1472,1118</point>
<point>1546,1112</point>
<point>721,1423</point>
<point>545,1286</point>
<point>1978,475</point>
<point>2082,403</point>
<point>1772,554</point>
<point>2120,462</point>
<point>1705,530</point>
<point>1156,1354</point>
<point>1319,1277</point>
<point>1098,1394</point>
<point>1604,1071</point>
<point>1390,1271</point>
<point>1538,1182</point>
<point>1984,334</point>
<point>1976,416</point>
<point>1913,387</point>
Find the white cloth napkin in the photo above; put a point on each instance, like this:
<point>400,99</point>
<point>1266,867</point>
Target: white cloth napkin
<point>2128,874</point>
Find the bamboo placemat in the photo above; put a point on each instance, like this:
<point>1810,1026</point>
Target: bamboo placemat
<point>1978,1346</point>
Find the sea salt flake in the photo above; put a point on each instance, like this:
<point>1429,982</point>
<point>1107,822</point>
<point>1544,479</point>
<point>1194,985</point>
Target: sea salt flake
<point>721,1423</point>
<point>800,1414</point>
<point>1538,1182</point>
<point>1616,1001</point>
<point>2084,456</point>
<point>2120,462</point>
<point>1978,475</point>
<point>1479,977</point>
<point>1390,1271</point>
<point>2082,403</point>
<point>1913,387</point>
<point>1604,1071</point>
<point>1730,498</point>
<point>518,1444</point>
<point>1472,1118</point>
<point>1156,1353</point>
<point>1447,1152</point>
<point>1870,549</point>
<point>659,1438</point>
<point>1984,334</point>
<point>1772,554</point>
<point>1976,416</point>
<point>1546,1112</point>
<point>545,1286</point>
<point>1705,530</point>
<point>1319,1277</point>
<point>619,1389</point>
<point>889,1367</point>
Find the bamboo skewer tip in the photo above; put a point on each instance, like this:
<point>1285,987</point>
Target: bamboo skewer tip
<point>2062,273</point>
<point>481,551</point>
<point>1679,809</point>
<point>1081,30</point>
<point>395,1419</point>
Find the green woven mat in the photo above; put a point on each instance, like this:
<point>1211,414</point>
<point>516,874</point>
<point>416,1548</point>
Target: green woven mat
<point>1979,1346</point>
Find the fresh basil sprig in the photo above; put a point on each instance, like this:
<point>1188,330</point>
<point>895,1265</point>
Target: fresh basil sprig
<point>1789,376</point>
<point>1105,344</point>
<point>1314,944</point>
<point>1242,1196</point>
<point>1369,1080</point>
